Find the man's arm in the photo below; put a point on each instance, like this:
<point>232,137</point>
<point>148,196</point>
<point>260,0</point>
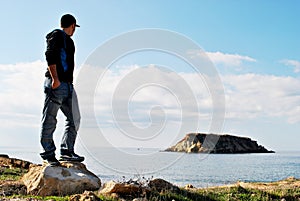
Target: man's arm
<point>53,73</point>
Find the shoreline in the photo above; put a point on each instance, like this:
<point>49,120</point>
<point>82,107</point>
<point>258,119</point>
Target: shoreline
<point>281,189</point>
<point>211,178</point>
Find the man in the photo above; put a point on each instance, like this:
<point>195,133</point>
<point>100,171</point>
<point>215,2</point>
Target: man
<point>60,93</point>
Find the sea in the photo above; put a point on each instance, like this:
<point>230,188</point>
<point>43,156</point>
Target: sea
<point>200,170</point>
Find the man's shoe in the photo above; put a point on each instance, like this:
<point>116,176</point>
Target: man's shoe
<point>52,161</point>
<point>71,156</point>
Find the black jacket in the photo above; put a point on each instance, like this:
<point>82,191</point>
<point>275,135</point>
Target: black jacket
<point>60,51</point>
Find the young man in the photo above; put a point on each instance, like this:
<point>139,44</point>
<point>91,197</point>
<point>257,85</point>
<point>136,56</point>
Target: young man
<point>60,93</point>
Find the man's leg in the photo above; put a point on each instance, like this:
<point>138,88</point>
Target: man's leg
<point>49,125</point>
<point>70,109</point>
<point>53,102</point>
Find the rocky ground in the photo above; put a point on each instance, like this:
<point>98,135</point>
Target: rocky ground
<point>12,187</point>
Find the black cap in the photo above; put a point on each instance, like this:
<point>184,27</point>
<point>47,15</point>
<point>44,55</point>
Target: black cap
<point>67,20</point>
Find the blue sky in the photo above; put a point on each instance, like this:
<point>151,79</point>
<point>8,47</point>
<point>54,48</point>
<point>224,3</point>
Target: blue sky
<point>265,30</point>
<point>254,45</point>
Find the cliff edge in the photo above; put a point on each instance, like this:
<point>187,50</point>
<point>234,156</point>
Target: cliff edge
<point>213,143</point>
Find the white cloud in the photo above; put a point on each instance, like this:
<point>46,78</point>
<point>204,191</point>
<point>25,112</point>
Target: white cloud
<point>228,59</point>
<point>21,93</point>
<point>293,63</point>
<point>150,87</point>
<point>254,96</point>
<point>248,96</point>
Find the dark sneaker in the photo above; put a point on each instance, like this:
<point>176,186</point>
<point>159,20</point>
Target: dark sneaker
<point>71,157</point>
<point>52,161</point>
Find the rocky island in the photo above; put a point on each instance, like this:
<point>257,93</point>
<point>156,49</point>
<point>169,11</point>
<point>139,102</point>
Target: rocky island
<point>217,144</point>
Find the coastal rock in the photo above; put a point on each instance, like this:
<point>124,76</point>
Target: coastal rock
<point>4,156</point>
<point>137,190</point>
<point>212,143</point>
<point>70,178</point>
<point>288,183</point>
<point>5,161</point>
<point>189,186</point>
<point>161,185</point>
<point>140,199</point>
<point>9,188</point>
<point>86,196</point>
<point>122,189</point>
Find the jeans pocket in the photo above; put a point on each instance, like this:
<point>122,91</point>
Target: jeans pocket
<point>61,91</point>
<point>57,88</point>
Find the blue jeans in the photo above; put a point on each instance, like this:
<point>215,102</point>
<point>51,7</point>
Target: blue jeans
<point>62,98</point>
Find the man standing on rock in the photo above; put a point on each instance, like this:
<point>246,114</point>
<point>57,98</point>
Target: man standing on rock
<point>60,93</point>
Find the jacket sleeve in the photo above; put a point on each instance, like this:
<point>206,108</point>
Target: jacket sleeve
<point>53,48</point>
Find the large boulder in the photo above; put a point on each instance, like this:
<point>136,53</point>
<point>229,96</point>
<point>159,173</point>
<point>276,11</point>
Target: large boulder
<point>70,178</point>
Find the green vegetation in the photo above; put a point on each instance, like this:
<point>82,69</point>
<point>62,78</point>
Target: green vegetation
<point>231,193</point>
<point>215,194</point>
<point>236,193</point>
<point>11,173</point>
<point>107,198</point>
<point>56,198</point>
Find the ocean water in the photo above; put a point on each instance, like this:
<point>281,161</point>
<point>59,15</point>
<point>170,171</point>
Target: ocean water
<point>200,170</point>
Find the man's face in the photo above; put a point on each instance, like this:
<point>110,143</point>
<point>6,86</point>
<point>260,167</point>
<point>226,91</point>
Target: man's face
<point>73,29</point>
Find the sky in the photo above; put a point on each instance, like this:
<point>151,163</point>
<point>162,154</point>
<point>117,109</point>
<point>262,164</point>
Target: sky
<point>254,47</point>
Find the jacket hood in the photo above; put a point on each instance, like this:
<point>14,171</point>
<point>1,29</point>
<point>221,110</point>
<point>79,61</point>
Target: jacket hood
<point>52,33</point>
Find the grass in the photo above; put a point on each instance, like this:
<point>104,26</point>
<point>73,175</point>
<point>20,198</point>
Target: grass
<point>11,173</point>
<point>56,198</point>
<point>236,193</point>
<point>216,194</point>
<point>240,193</point>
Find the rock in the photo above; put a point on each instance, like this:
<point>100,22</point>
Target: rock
<point>188,186</point>
<point>161,185</point>
<point>290,179</point>
<point>70,178</point>
<point>5,161</point>
<point>194,148</point>
<point>4,156</point>
<point>122,189</point>
<point>8,188</point>
<point>140,199</point>
<point>137,190</point>
<point>212,143</point>
<point>86,196</point>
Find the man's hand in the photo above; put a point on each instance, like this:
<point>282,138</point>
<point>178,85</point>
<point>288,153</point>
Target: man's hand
<point>55,84</point>
<point>53,73</point>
